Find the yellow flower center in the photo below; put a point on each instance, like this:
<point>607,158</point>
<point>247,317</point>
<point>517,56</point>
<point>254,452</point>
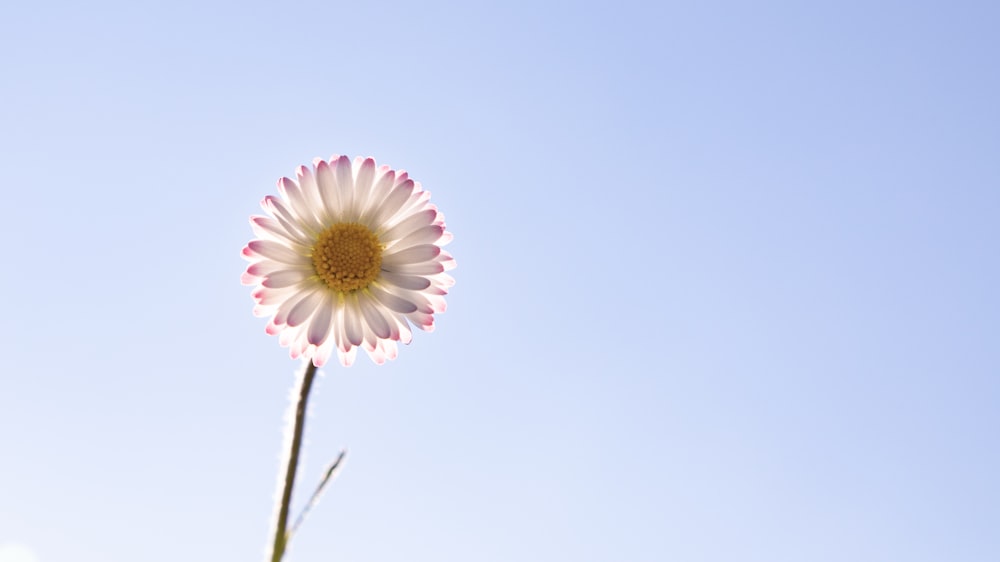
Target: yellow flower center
<point>347,256</point>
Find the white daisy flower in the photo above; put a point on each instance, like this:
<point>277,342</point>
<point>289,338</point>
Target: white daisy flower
<point>349,257</point>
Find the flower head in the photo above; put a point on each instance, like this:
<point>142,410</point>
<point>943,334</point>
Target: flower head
<point>349,256</point>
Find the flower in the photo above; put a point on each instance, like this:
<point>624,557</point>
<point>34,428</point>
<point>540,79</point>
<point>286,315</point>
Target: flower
<point>349,256</point>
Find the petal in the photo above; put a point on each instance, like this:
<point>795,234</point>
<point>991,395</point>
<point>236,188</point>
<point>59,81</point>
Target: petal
<point>310,189</point>
<point>370,339</point>
<point>286,336</point>
<point>405,335</point>
<point>272,297</point>
<point>322,354</point>
<point>291,192</point>
<point>373,318</point>
<point>377,355</point>
<point>366,174</point>
<point>286,306</point>
<point>416,202</point>
<point>421,268</point>
<point>442,280</point>
<point>261,311</point>
<point>352,322</point>
<point>392,203</point>
<point>305,308</point>
<point>338,325</point>
<point>345,185</point>
<point>422,320</point>
<point>378,192</point>
<point>391,349</point>
<point>267,267</point>
<point>320,326</point>
<point>413,254</point>
<point>446,260</point>
<point>276,251</point>
<point>420,300</point>
<point>271,229</point>
<point>409,224</point>
<point>426,235</point>
<point>347,357</point>
<point>392,302</point>
<point>438,304</point>
<point>285,216</point>
<point>285,278</point>
<point>327,186</point>
<point>411,282</point>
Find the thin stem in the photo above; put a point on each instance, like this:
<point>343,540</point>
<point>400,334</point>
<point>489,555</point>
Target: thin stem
<point>281,524</point>
<point>328,475</point>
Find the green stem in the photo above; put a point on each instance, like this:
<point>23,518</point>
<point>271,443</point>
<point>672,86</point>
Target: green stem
<point>327,477</point>
<point>281,525</point>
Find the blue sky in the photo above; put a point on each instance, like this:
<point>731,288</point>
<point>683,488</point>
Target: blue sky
<point>727,283</point>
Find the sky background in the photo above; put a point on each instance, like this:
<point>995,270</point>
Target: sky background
<point>726,288</point>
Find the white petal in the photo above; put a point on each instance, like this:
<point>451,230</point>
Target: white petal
<point>285,217</point>
<point>405,335</point>
<point>286,306</point>
<point>266,267</point>
<point>347,358</point>
<point>352,322</point>
<point>392,302</point>
<point>438,304</point>
<point>286,337</point>
<point>370,338</point>
<point>345,187</point>
<point>416,202</point>
<point>373,318</point>
<point>392,203</point>
<point>310,189</point>
<point>290,190</point>
<point>276,251</point>
<point>422,320</point>
<point>366,174</point>
<point>377,355</point>
<point>411,282</point>
<point>326,184</point>
<point>271,229</point>
<point>338,325</point>
<point>426,235</point>
<point>421,268</point>
<point>442,280</point>
<point>416,297</point>
<point>305,308</point>
<point>446,260</point>
<point>285,278</point>
<point>322,354</point>
<point>272,297</point>
<point>391,349</point>
<point>320,326</point>
<point>413,254</point>
<point>409,224</point>
<point>378,193</point>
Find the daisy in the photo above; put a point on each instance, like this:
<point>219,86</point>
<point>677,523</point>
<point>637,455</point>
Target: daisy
<point>349,256</point>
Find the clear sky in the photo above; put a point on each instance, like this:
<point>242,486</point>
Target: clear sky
<point>727,282</point>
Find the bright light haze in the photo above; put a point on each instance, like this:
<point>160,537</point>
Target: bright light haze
<point>726,288</point>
